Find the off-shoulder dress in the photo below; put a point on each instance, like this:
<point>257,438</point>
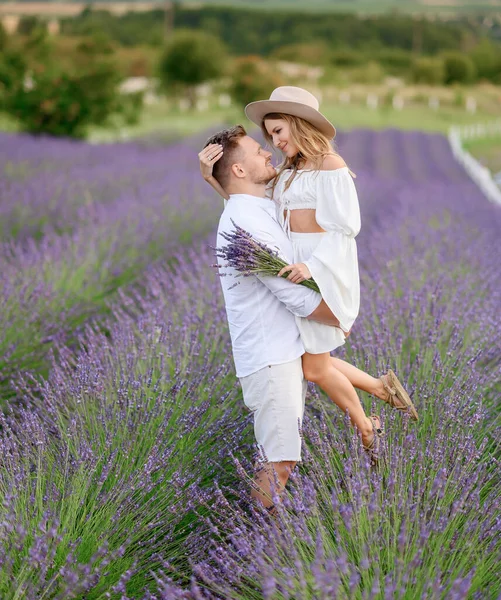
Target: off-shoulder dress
<point>331,256</point>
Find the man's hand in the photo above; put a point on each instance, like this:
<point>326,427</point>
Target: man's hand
<point>298,272</point>
<point>209,155</point>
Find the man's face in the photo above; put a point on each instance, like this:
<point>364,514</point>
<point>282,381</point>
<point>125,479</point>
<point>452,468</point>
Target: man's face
<point>256,161</point>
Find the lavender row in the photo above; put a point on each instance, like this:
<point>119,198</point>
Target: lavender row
<point>98,470</point>
<point>63,186</point>
<point>118,209</point>
<point>159,390</point>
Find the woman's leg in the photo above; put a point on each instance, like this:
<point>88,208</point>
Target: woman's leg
<point>320,369</point>
<point>360,379</point>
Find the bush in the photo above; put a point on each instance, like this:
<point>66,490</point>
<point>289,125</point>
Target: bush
<point>191,58</point>
<point>28,24</point>
<point>458,68</point>
<point>372,72</point>
<point>253,79</point>
<point>428,70</point>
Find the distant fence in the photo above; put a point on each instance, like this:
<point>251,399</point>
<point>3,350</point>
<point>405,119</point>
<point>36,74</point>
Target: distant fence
<point>480,174</point>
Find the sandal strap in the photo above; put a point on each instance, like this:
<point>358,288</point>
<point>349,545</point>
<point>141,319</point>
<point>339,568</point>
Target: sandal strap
<point>393,400</point>
<point>389,388</point>
<point>378,433</point>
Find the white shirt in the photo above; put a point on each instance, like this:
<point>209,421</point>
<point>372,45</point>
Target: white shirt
<point>261,310</point>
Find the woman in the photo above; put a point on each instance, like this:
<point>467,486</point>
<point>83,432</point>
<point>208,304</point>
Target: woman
<point>318,208</point>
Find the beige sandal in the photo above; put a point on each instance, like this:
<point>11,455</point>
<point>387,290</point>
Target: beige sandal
<point>397,396</point>
<point>374,445</point>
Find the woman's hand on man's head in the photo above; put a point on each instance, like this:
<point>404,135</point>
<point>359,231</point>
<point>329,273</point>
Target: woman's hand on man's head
<point>208,156</point>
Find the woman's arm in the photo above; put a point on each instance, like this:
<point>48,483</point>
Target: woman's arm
<point>209,155</point>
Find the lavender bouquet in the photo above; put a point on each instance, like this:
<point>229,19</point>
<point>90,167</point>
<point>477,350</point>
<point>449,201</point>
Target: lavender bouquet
<point>251,257</point>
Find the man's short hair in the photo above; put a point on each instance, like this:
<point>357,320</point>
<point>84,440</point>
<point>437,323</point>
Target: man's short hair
<point>229,140</point>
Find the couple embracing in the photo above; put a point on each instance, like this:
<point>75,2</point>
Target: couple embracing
<point>282,333</point>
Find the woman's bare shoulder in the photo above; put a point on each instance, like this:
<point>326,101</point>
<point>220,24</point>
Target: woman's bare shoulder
<point>331,162</point>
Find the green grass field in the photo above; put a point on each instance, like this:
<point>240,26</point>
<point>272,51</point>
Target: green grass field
<point>161,121</point>
<point>487,151</point>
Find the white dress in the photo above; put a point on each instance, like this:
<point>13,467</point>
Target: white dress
<point>331,256</point>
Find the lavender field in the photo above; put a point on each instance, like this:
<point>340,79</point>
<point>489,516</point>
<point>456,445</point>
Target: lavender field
<point>126,449</point>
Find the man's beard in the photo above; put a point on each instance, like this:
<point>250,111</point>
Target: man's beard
<point>263,177</point>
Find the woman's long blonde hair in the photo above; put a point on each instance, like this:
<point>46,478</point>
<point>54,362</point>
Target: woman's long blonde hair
<point>311,143</point>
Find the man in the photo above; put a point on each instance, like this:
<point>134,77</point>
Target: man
<point>261,311</point>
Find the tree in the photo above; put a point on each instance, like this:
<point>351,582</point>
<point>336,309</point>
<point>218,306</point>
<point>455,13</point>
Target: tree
<point>253,79</point>
<point>189,59</point>
<point>48,98</point>
<point>486,57</point>
<point>458,68</point>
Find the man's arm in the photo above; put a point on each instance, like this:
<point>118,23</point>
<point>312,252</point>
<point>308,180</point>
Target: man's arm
<point>298,299</point>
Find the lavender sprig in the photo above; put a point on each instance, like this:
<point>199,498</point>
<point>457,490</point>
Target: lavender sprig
<point>251,257</point>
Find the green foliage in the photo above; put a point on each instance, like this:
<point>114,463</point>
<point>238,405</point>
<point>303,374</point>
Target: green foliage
<point>458,68</point>
<point>48,98</point>
<point>28,24</point>
<point>130,29</point>
<point>253,79</point>
<point>372,72</point>
<point>12,71</point>
<point>348,58</point>
<point>131,107</point>
<point>261,32</point>
<point>430,70</point>
<point>394,61</point>
<point>3,38</point>
<point>486,57</point>
<point>309,54</point>
<point>191,58</point>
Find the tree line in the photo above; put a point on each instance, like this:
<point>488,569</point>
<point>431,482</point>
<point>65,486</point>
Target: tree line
<point>262,32</point>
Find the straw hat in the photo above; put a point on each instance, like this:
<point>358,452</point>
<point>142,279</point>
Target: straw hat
<point>291,101</point>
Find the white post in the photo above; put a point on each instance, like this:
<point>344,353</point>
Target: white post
<point>471,105</point>
<point>434,103</point>
<point>398,102</point>
<point>344,97</point>
<point>224,100</point>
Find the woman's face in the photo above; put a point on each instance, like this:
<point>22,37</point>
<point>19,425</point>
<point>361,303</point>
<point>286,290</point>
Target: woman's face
<point>279,131</point>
